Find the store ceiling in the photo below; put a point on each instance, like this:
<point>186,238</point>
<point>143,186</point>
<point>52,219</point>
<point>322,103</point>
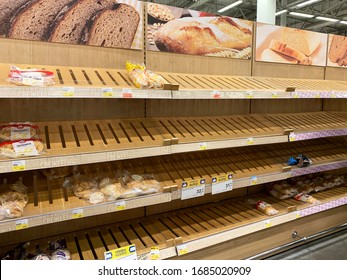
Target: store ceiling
<point>336,9</point>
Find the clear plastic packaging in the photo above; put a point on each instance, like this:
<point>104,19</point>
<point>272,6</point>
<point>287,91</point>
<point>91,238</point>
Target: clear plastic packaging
<point>31,77</point>
<point>58,172</point>
<point>263,206</point>
<point>304,197</point>
<point>82,186</point>
<point>13,200</point>
<point>18,131</point>
<point>22,148</point>
<point>111,188</point>
<point>140,184</point>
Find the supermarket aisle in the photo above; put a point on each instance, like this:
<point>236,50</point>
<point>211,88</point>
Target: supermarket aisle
<point>333,247</point>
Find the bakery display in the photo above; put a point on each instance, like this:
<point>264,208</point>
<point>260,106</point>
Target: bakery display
<point>338,50</point>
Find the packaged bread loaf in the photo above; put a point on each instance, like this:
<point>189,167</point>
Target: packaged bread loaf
<point>18,130</point>
<point>266,208</point>
<point>111,188</point>
<point>141,184</point>
<point>13,200</point>
<point>22,148</point>
<point>57,172</point>
<point>304,197</point>
<point>30,77</point>
<point>81,185</point>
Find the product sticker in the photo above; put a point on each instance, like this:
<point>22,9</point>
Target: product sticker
<point>268,224</point>
<point>22,224</point>
<point>20,132</point>
<point>107,92</point>
<point>68,91</point>
<point>120,205</point>
<point>127,93</point>
<point>292,137</point>
<point>193,188</point>
<point>249,94</point>
<point>254,180</point>
<point>77,213</point>
<point>18,165</point>
<point>296,215</point>
<point>250,141</point>
<point>33,81</point>
<point>25,148</point>
<point>123,253</point>
<point>182,249</point>
<point>216,94</point>
<point>222,183</point>
<point>274,95</point>
<point>295,95</point>
<point>202,146</point>
<point>154,254</point>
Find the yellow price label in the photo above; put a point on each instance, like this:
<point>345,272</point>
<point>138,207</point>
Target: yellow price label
<point>202,146</point>
<point>18,165</point>
<point>292,137</point>
<point>22,224</point>
<point>107,92</point>
<point>268,224</point>
<point>295,95</point>
<point>68,91</point>
<point>254,180</point>
<point>77,213</point>
<point>120,205</point>
<point>249,94</point>
<point>297,215</point>
<point>250,141</point>
<point>274,95</point>
<point>182,250</point>
<point>155,253</point>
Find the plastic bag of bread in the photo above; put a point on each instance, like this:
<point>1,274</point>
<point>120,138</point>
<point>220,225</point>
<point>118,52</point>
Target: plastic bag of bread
<point>13,200</point>
<point>22,148</point>
<point>304,197</point>
<point>58,172</point>
<point>137,74</point>
<point>111,188</point>
<point>278,194</point>
<point>155,80</point>
<point>285,189</point>
<point>81,185</point>
<point>141,184</point>
<point>30,77</point>
<point>18,130</point>
<point>263,206</point>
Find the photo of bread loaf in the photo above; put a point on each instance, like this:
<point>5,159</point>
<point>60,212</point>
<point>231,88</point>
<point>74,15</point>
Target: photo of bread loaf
<point>337,54</point>
<point>177,30</point>
<point>292,46</point>
<point>108,23</point>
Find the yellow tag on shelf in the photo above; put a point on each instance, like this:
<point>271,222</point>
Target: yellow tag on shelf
<point>254,180</point>
<point>22,224</point>
<point>297,215</point>
<point>120,205</point>
<point>77,213</point>
<point>249,94</point>
<point>202,146</point>
<point>268,224</point>
<point>154,254</point>
<point>107,92</point>
<point>68,91</point>
<point>123,253</point>
<point>250,141</point>
<point>222,183</point>
<point>292,137</point>
<point>18,165</point>
<point>182,249</point>
<point>295,95</point>
<point>317,95</point>
<point>274,95</point>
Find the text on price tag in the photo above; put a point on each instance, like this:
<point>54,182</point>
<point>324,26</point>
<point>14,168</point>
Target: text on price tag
<point>222,183</point>
<point>120,205</point>
<point>127,93</point>
<point>154,254</point>
<point>68,91</point>
<point>182,249</point>
<point>254,180</point>
<point>18,165</point>
<point>22,224</point>
<point>216,94</point>
<point>107,92</point>
<point>123,253</point>
<point>77,213</point>
<point>193,188</point>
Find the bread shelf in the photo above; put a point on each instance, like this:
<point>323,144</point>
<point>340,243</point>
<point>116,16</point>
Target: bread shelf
<point>84,82</point>
<point>49,203</point>
<point>84,142</point>
<point>192,228</point>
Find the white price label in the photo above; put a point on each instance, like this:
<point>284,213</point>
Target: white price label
<point>68,91</point>
<point>317,95</point>
<point>250,141</point>
<point>18,165</point>
<point>22,224</point>
<point>25,148</point>
<point>296,215</point>
<point>274,95</point>
<point>295,95</point>
<point>223,183</point>
<point>292,137</point>
<point>192,189</point>
<point>254,180</point>
<point>77,213</point>
<point>216,94</point>
<point>249,94</point>
<point>127,93</point>
<point>154,254</point>
<point>182,249</point>
<point>268,224</point>
<point>120,205</point>
<point>107,92</point>
<point>202,146</point>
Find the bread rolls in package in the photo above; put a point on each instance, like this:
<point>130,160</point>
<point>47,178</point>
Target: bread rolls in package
<point>22,148</point>
<point>13,199</point>
<point>18,130</point>
<point>263,206</point>
<point>30,77</point>
<point>140,184</point>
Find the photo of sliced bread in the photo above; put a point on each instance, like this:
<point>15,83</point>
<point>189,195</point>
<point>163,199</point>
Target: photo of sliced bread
<point>33,22</point>
<point>69,28</point>
<point>113,27</point>
<point>8,8</point>
<point>287,50</point>
<point>273,56</point>
<point>303,41</point>
<point>338,50</point>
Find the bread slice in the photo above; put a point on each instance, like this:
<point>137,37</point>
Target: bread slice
<point>114,28</point>
<point>69,27</point>
<point>338,48</point>
<point>7,9</point>
<point>33,22</point>
<point>302,40</point>
<point>287,50</point>
<point>272,56</point>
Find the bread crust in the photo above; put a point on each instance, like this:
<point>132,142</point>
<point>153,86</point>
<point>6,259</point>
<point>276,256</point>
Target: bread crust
<point>338,50</point>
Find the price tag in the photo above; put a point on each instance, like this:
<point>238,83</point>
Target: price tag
<point>22,224</point>
<point>120,205</point>
<point>123,253</point>
<point>154,254</point>
<point>107,92</point>
<point>18,165</point>
<point>216,94</point>
<point>182,249</point>
<point>202,146</point>
<point>77,213</point>
<point>250,141</point>
<point>25,148</point>
<point>292,137</point>
<point>296,215</point>
<point>268,224</point>
<point>316,95</point>
<point>295,95</point>
<point>68,91</point>
<point>274,95</point>
<point>127,93</point>
<point>222,183</point>
<point>254,180</point>
<point>249,94</point>
<point>193,188</point>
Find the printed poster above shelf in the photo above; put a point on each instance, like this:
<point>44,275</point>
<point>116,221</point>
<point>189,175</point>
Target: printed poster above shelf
<point>288,45</point>
<point>106,23</point>
<point>178,30</point>
<point>337,51</point>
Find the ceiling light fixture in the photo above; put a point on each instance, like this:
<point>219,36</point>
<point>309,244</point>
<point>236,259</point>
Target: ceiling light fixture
<point>343,22</point>
<point>230,6</point>
<point>327,19</point>
<point>301,15</point>
<point>303,4</point>
<point>281,12</point>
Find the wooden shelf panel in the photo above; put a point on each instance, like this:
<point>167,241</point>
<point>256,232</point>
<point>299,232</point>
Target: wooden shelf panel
<point>195,227</point>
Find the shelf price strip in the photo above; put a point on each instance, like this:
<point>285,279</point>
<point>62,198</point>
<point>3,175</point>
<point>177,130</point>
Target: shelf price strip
<point>193,188</point>
<point>123,253</point>
<point>223,183</point>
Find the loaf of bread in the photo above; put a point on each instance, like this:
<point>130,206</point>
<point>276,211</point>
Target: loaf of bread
<point>8,8</point>
<point>7,149</point>
<point>69,25</point>
<point>338,50</point>
<point>111,188</point>
<point>201,36</point>
<point>282,48</point>
<point>34,20</point>
<point>57,172</point>
<point>82,186</point>
<point>266,208</point>
<point>301,40</point>
<point>113,27</point>
<point>273,56</point>
<point>17,131</point>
